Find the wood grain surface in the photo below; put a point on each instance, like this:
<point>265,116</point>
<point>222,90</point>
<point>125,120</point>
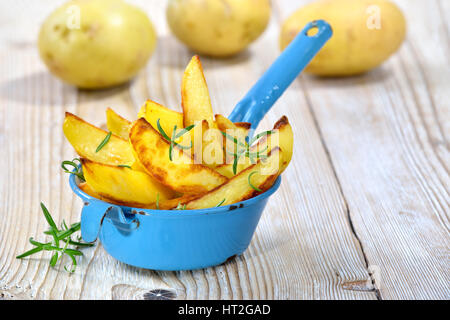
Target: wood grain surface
<point>363,210</point>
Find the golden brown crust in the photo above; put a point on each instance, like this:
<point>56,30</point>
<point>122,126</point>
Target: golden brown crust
<point>243,125</point>
<point>283,121</point>
<point>162,174</point>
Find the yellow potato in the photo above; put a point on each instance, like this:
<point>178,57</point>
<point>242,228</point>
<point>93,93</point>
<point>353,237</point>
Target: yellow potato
<point>85,138</point>
<point>117,125</point>
<point>218,27</point>
<point>180,174</point>
<point>365,33</point>
<point>96,43</point>
<point>123,184</point>
<point>261,176</point>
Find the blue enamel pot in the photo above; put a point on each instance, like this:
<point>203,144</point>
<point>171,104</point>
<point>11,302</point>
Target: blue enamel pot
<point>171,239</point>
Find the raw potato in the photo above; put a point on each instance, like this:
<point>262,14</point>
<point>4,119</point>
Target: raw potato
<point>180,174</point>
<point>218,28</point>
<point>124,185</point>
<point>85,138</point>
<point>96,43</point>
<point>238,188</point>
<point>360,40</point>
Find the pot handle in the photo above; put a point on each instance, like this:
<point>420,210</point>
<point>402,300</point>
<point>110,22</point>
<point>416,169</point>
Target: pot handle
<point>95,212</point>
<point>271,85</point>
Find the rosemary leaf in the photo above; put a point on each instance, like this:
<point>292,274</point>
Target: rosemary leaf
<point>104,142</point>
<point>250,183</point>
<point>220,203</point>
<point>29,252</point>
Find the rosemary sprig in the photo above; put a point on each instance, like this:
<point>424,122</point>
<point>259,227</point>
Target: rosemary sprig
<point>76,168</point>
<point>175,136</point>
<point>104,142</point>
<point>124,166</point>
<point>246,148</point>
<point>220,203</point>
<point>250,183</point>
<point>234,139</point>
<point>259,135</point>
<point>63,235</point>
<point>172,142</point>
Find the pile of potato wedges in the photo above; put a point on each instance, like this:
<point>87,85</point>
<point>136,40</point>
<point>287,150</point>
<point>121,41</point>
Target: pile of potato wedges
<point>170,160</point>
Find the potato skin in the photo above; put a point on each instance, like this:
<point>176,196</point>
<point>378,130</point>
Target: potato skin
<point>353,48</point>
<point>218,28</point>
<point>114,40</point>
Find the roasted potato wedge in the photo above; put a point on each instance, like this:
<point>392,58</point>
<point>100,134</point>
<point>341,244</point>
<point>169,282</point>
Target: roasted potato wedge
<point>160,205</point>
<point>85,138</point>
<point>261,175</point>
<point>236,130</point>
<point>213,153</point>
<point>123,184</point>
<point>195,98</point>
<point>117,125</point>
<point>182,174</point>
<point>224,124</point>
<point>153,111</point>
<point>87,189</point>
<point>282,137</point>
<point>174,203</point>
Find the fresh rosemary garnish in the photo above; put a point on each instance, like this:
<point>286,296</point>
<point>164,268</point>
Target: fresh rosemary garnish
<point>104,142</point>
<point>234,139</point>
<point>220,203</point>
<point>245,148</point>
<point>124,166</point>
<point>175,136</point>
<point>77,168</point>
<point>250,183</point>
<point>260,135</point>
<point>59,235</point>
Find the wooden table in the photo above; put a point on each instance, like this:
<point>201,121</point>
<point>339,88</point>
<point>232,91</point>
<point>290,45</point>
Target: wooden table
<point>363,210</point>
